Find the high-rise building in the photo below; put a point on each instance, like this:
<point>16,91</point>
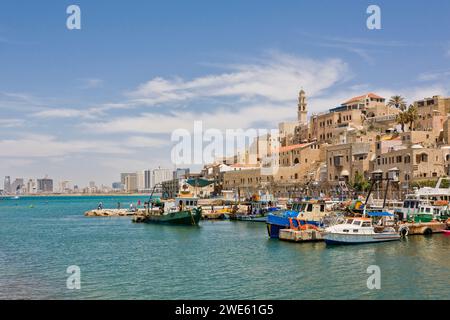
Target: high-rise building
<point>64,186</point>
<point>140,182</point>
<point>117,186</point>
<point>181,173</point>
<point>148,185</point>
<point>45,185</point>
<point>131,183</point>
<point>17,185</point>
<point>31,186</point>
<point>7,185</point>
<point>160,175</point>
<point>124,175</point>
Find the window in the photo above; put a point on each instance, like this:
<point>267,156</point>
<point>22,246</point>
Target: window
<point>356,223</point>
<point>309,207</point>
<point>366,224</point>
<point>408,159</point>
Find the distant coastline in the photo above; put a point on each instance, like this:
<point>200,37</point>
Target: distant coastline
<point>77,195</point>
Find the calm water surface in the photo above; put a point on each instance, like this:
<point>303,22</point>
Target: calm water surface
<point>218,260</point>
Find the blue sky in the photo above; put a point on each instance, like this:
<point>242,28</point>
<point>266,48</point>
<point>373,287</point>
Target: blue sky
<point>87,104</point>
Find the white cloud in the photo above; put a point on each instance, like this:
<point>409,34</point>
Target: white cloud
<point>434,76</point>
<point>277,79</point>
<point>59,113</point>
<point>144,142</point>
<point>35,146</point>
<point>91,83</point>
<point>11,123</point>
<point>219,119</point>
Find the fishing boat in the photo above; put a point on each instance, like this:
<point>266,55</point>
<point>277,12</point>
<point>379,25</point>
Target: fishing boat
<point>361,230</point>
<point>183,211</point>
<point>303,212</point>
<point>257,212</point>
<point>426,204</point>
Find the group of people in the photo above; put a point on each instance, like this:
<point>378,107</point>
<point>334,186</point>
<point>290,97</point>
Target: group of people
<point>133,208</point>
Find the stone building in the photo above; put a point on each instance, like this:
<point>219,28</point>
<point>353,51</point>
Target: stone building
<point>432,112</point>
<point>345,161</point>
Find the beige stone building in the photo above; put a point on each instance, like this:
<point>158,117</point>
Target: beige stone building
<point>432,112</point>
<point>345,161</point>
<point>411,163</point>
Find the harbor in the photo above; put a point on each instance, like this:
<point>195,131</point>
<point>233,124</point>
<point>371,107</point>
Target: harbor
<point>218,259</point>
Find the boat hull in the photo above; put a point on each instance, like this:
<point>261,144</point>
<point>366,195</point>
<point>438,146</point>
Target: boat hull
<point>187,217</point>
<point>339,238</point>
<point>275,223</point>
<point>250,218</point>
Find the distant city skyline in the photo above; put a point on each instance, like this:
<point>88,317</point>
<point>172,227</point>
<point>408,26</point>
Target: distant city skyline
<point>85,105</point>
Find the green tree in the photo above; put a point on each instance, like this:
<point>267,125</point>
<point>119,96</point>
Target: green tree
<point>412,116</point>
<point>398,102</point>
<point>360,183</point>
<point>402,119</point>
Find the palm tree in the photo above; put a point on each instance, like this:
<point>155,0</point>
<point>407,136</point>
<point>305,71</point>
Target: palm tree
<point>412,116</point>
<point>402,119</point>
<point>398,102</point>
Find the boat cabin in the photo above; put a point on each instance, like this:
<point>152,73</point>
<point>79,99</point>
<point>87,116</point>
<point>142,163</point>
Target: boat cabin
<point>309,207</point>
<point>184,203</point>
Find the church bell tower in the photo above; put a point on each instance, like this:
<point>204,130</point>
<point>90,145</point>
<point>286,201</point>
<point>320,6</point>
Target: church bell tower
<point>302,110</point>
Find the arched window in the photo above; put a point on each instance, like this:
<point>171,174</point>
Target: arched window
<point>296,161</point>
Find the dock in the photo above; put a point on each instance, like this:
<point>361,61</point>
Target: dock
<point>423,228</point>
<point>309,235</point>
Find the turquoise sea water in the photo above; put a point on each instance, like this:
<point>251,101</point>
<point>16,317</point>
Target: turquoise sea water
<point>218,260</point>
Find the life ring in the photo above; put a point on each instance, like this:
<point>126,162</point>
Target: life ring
<point>403,231</point>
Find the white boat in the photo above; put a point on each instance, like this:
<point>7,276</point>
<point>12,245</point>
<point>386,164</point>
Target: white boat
<point>426,204</point>
<point>362,230</point>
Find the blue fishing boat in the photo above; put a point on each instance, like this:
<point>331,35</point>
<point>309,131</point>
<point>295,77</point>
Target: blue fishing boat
<point>304,212</point>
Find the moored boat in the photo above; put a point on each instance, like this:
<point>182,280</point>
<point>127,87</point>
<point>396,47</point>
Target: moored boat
<point>184,211</point>
<point>363,230</point>
<point>304,212</point>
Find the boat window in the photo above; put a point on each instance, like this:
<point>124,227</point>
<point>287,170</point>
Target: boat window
<point>322,208</point>
<point>356,222</point>
<point>365,224</point>
<point>406,204</point>
<point>345,230</point>
<point>310,207</point>
<point>355,230</point>
<point>427,210</point>
<point>349,221</point>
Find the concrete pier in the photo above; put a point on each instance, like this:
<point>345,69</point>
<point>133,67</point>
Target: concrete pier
<point>300,235</point>
<point>111,213</point>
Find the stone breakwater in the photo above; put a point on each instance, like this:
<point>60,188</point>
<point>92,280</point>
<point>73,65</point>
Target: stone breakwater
<point>112,213</point>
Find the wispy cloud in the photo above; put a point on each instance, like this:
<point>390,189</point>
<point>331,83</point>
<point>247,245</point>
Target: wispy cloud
<point>277,79</point>
<point>434,76</point>
<point>36,146</point>
<point>64,113</point>
<point>91,83</point>
<point>11,123</point>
